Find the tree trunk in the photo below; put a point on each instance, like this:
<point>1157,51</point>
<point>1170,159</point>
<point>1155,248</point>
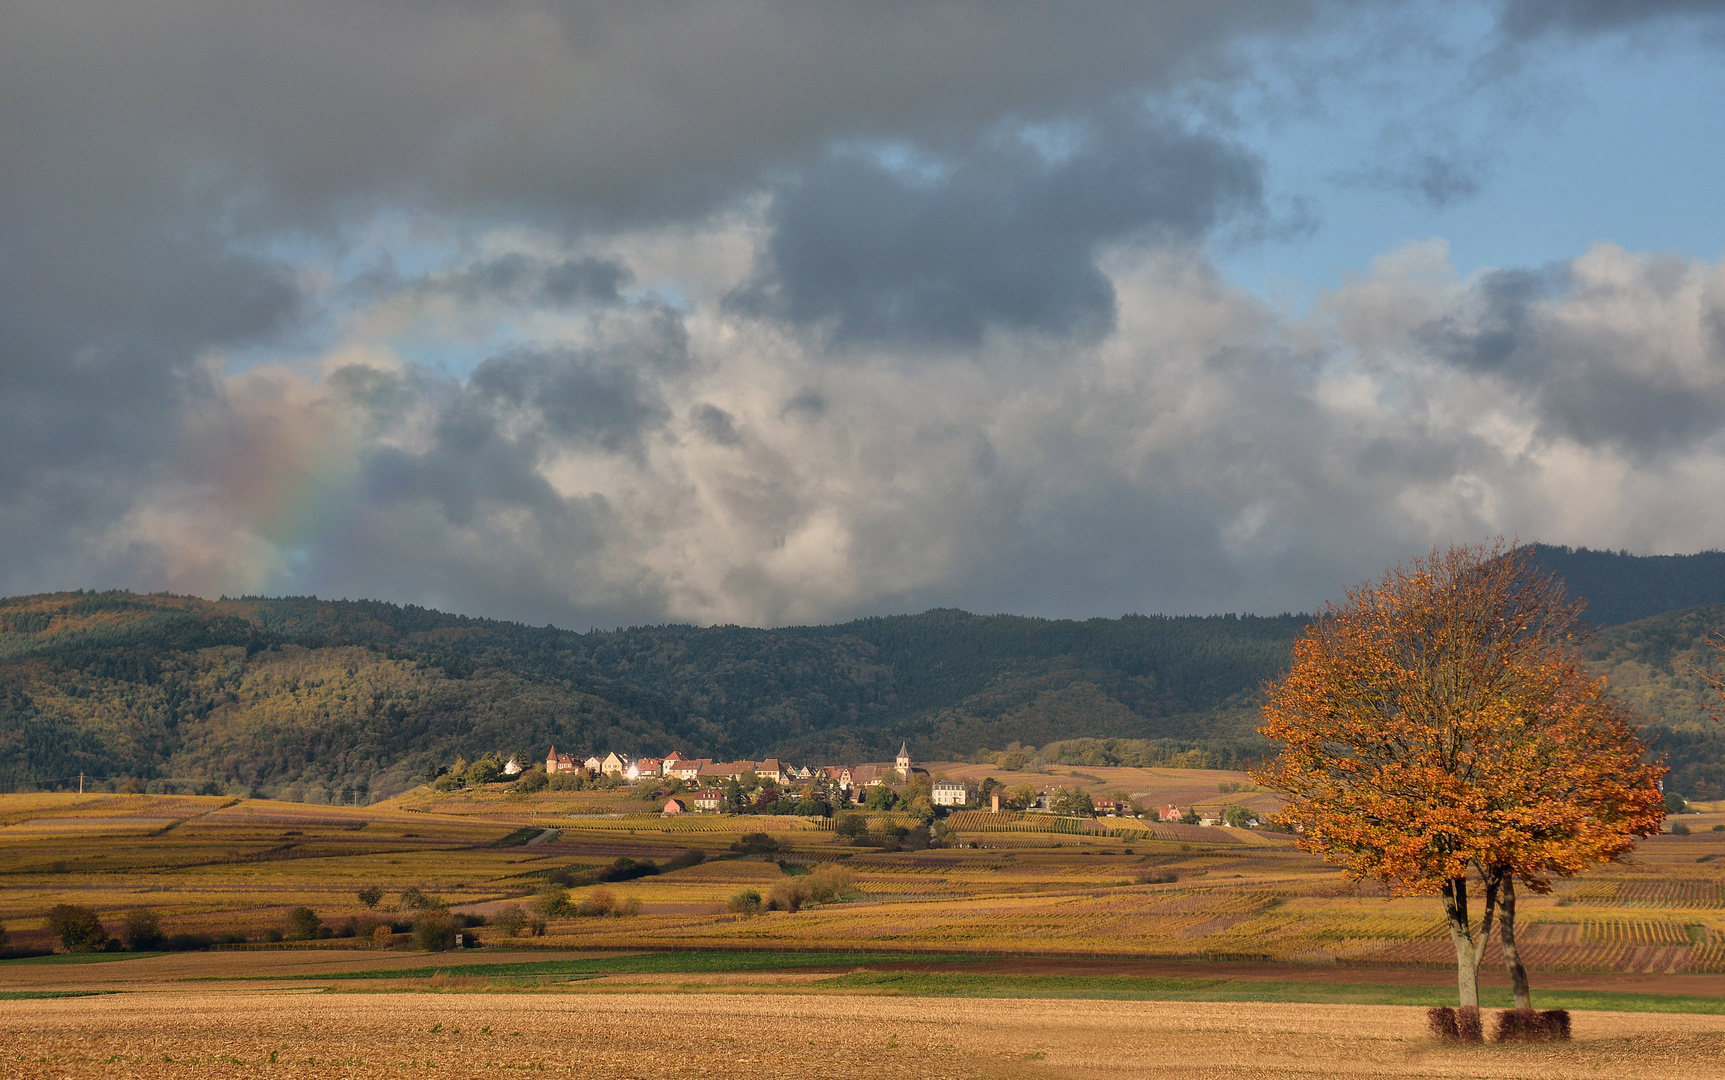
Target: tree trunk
<point>1469,949</point>
<point>1511,954</point>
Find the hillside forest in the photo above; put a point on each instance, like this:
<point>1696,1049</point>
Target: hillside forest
<point>331,701</point>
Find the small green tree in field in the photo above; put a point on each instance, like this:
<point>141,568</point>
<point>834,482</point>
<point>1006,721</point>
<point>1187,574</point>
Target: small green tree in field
<point>77,927</point>
<point>433,931</point>
<point>550,902</point>
<point>370,896</point>
<point>1072,802</point>
<point>851,826</point>
<point>302,924</point>
<point>142,930</point>
<point>510,919</point>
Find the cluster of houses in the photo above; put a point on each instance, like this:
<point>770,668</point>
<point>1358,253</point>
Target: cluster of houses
<point>851,782</point>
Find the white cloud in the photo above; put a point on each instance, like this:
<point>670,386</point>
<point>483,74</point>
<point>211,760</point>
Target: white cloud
<point>1211,453</point>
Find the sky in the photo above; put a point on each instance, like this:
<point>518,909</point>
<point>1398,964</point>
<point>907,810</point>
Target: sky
<point>760,312</point>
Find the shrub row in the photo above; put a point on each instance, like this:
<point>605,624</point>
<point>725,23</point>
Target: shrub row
<point>1463,1025</point>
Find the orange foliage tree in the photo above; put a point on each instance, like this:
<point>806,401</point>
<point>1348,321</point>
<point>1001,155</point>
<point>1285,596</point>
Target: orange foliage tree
<point>1437,729</point>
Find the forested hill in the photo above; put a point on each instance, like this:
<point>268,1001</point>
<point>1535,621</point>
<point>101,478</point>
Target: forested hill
<point>310,698</point>
<point>1620,587</point>
<point>300,696</point>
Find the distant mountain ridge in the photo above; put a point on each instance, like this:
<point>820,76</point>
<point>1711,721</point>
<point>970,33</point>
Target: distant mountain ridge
<point>300,696</point>
<point>1621,588</point>
<point>318,699</point>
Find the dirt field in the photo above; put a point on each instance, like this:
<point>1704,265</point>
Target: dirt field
<point>292,1034</point>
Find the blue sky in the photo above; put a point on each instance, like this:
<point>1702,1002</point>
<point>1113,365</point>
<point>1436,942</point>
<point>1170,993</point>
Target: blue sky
<point>1616,139</point>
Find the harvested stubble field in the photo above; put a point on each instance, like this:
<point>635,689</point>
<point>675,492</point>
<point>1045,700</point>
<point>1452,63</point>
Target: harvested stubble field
<point>654,1035</point>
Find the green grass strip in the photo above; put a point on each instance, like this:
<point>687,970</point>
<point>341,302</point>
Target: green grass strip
<point>639,963</point>
<point>1132,988</point>
<point>77,958</point>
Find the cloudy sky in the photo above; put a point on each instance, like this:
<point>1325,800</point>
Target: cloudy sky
<point>767,312</point>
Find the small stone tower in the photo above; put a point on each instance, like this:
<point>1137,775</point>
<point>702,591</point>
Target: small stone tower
<point>903,762</point>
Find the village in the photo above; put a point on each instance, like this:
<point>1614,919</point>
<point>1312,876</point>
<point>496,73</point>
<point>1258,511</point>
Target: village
<point>690,785</point>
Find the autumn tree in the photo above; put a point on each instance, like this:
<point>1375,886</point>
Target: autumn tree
<point>1438,731</point>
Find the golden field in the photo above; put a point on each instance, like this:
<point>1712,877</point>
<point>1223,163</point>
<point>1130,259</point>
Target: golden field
<point>301,1034</point>
<point>1021,885</point>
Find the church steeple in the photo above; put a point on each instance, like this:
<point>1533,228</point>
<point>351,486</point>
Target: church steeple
<point>903,762</point>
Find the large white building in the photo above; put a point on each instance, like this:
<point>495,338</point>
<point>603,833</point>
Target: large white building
<point>949,793</point>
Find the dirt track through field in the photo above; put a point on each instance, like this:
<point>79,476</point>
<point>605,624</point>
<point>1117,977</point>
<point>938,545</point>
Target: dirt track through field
<point>651,1036</point>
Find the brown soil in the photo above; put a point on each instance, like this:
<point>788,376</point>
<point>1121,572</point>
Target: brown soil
<point>649,1036</point>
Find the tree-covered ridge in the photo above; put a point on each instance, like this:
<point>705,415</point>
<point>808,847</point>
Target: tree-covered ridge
<point>1622,588</point>
<point>318,699</point>
<point>1653,664</point>
<point>306,697</point>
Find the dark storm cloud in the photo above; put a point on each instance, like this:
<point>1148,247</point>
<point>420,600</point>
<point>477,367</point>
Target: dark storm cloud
<point>1000,235</point>
<point>1597,383</point>
<point>152,154</point>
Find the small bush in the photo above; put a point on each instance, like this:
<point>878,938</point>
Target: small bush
<point>433,931</point>
<point>1531,1025</point>
<point>829,883</point>
<point>77,927</point>
<point>787,896</point>
<point>1156,877</point>
<point>302,924</point>
<point>851,826</point>
<point>1719,828</point>
<point>536,927</point>
<point>1441,1022</point>
<point>598,902</point>
<point>744,902</point>
<point>382,936</point>
<point>686,858</point>
<point>1455,1025</point>
<point>142,930</point>
<point>755,843</point>
<point>510,919</point>
<point>624,868</point>
<point>550,902</point>
<point>370,896</point>
<point>1679,829</point>
<point>272,935</point>
<point>630,905</point>
<point>187,942</point>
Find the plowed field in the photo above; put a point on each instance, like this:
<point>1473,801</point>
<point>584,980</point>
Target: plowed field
<point>296,1034</point>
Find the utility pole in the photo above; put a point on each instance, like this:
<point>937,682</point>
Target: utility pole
<point>80,783</point>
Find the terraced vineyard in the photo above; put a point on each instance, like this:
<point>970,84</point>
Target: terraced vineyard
<point>1011,885</point>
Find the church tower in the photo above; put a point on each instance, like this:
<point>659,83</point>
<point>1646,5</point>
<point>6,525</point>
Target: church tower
<point>903,762</point>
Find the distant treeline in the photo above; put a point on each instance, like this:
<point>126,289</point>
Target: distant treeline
<point>1134,753</point>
